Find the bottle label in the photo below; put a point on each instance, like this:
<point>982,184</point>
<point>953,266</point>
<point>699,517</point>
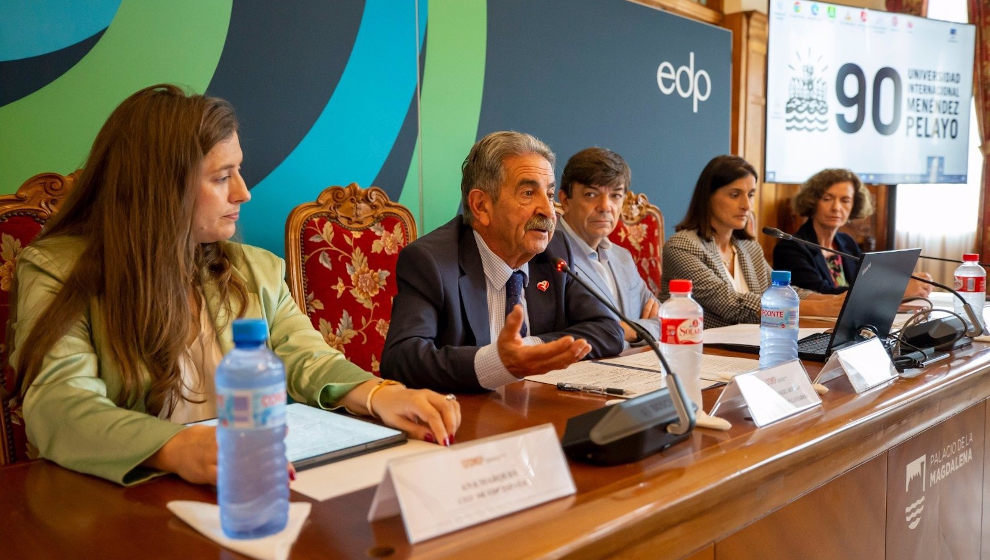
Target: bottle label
<point>245,409</point>
<point>682,331</point>
<point>971,284</point>
<point>779,318</point>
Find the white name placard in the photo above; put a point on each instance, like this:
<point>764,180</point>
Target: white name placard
<point>771,394</point>
<point>449,489</point>
<point>866,364</point>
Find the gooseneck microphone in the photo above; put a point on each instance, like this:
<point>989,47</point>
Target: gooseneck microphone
<point>957,261</point>
<point>774,232</point>
<point>977,324</point>
<point>685,413</point>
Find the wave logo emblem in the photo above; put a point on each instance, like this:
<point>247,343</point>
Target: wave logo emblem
<point>915,472</point>
<point>807,105</point>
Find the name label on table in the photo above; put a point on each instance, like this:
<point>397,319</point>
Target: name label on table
<point>771,394</point>
<point>452,488</point>
<point>866,364</point>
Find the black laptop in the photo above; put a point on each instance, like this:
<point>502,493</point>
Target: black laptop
<point>871,304</point>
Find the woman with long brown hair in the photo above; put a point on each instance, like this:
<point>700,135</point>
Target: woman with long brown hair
<point>714,247</point>
<point>125,302</point>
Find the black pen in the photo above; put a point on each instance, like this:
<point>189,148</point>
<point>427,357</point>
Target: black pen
<point>593,389</point>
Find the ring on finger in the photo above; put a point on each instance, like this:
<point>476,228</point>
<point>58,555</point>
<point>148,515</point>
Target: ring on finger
<point>450,397</point>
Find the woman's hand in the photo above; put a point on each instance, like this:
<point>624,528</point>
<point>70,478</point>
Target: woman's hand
<point>822,305</point>
<point>420,413</point>
<point>918,289</point>
<point>191,454</point>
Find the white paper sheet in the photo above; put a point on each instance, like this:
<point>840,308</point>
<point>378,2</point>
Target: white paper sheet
<point>747,333</point>
<point>641,373</point>
<point>350,475</point>
<point>713,368</point>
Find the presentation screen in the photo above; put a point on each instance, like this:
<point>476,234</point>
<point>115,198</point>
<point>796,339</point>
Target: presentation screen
<point>886,95</point>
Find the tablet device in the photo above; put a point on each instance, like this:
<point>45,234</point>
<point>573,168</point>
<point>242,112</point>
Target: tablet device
<point>318,436</point>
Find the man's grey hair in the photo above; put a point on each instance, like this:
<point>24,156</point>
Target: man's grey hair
<point>483,170</point>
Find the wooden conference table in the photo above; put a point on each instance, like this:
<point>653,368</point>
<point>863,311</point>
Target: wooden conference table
<point>829,483</point>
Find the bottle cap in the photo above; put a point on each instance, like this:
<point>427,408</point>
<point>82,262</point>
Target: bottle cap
<point>248,331</point>
<point>681,286</point>
<point>971,257</point>
<point>781,277</point>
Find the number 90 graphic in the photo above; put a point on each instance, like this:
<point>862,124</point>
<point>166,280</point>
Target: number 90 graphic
<point>858,98</point>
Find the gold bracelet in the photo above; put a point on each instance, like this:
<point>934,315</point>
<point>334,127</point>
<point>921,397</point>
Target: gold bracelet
<point>375,389</point>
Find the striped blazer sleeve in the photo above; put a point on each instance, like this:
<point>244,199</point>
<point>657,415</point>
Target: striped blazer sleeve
<point>685,255</point>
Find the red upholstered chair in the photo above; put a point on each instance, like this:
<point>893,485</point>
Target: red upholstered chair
<point>640,230</point>
<point>341,252</point>
<point>22,216</point>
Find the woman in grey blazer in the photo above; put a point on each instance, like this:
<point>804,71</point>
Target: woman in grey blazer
<point>714,248</point>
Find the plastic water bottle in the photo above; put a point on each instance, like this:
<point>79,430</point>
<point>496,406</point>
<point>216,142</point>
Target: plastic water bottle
<point>971,283</point>
<point>681,337</point>
<point>779,321</point>
<point>252,477</point>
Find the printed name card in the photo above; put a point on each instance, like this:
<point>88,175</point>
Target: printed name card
<point>449,489</point>
<point>866,364</point>
<point>771,394</point>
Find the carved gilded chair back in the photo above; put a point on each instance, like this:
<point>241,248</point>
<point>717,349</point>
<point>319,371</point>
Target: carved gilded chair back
<point>22,216</point>
<point>341,253</point>
<point>641,231</point>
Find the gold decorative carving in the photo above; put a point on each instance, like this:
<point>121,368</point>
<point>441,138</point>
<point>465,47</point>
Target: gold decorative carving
<point>351,207</point>
<point>39,196</point>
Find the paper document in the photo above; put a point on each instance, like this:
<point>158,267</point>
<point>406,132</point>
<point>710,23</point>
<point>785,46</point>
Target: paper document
<point>350,475</point>
<point>634,382</point>
<point>713,368</point>
<point>640,373</point>
<point>747,334</point>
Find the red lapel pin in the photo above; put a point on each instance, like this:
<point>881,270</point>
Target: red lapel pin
<point>543,286</point>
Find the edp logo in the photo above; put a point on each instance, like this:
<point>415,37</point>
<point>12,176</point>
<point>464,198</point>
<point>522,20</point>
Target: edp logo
<point>685,80</point>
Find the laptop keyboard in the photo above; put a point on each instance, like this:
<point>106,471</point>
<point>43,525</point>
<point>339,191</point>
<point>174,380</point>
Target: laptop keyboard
<point>814,343</point>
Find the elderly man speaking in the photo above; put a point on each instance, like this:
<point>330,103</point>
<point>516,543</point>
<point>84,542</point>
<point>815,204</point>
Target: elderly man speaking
<point>480,302</point>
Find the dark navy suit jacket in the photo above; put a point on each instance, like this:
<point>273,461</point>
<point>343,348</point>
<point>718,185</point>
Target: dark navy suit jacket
<point>807,264</point>
<point>440,313</point>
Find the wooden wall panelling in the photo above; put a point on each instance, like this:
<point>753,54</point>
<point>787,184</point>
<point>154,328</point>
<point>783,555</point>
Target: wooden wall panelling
<point>712,13</point>
<point>985,545</point>
<point>933,512</point>
<point>842,519</point>
<point>707,553</point>
<point>749,61</point>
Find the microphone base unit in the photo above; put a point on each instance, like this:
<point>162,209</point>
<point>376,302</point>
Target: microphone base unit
<point>942,334</point>
<point>623,432</point>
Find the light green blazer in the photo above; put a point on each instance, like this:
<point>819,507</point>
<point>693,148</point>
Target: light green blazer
<point>69,409</point>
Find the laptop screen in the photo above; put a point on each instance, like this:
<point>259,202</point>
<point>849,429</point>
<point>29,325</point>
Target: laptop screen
<point>874,297</point>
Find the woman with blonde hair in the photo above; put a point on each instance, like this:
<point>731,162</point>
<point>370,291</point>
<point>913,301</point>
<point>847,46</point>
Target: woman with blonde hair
<point>125,302</point>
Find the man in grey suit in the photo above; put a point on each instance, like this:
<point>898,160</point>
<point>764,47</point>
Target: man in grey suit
<point>481,302</point>
<point>592,189</point>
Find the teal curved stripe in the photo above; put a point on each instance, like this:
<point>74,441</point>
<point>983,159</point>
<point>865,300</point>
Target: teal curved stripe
<point>148,42</point>
<point>453,82</point>
<point>33,27</point>
<point>354,134</point>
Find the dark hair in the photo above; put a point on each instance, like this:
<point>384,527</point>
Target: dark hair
<point>483,170</point>
<point>133,207</point>
<point>720,171</point>
<point>595,167</point>
<point>805,202</point>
